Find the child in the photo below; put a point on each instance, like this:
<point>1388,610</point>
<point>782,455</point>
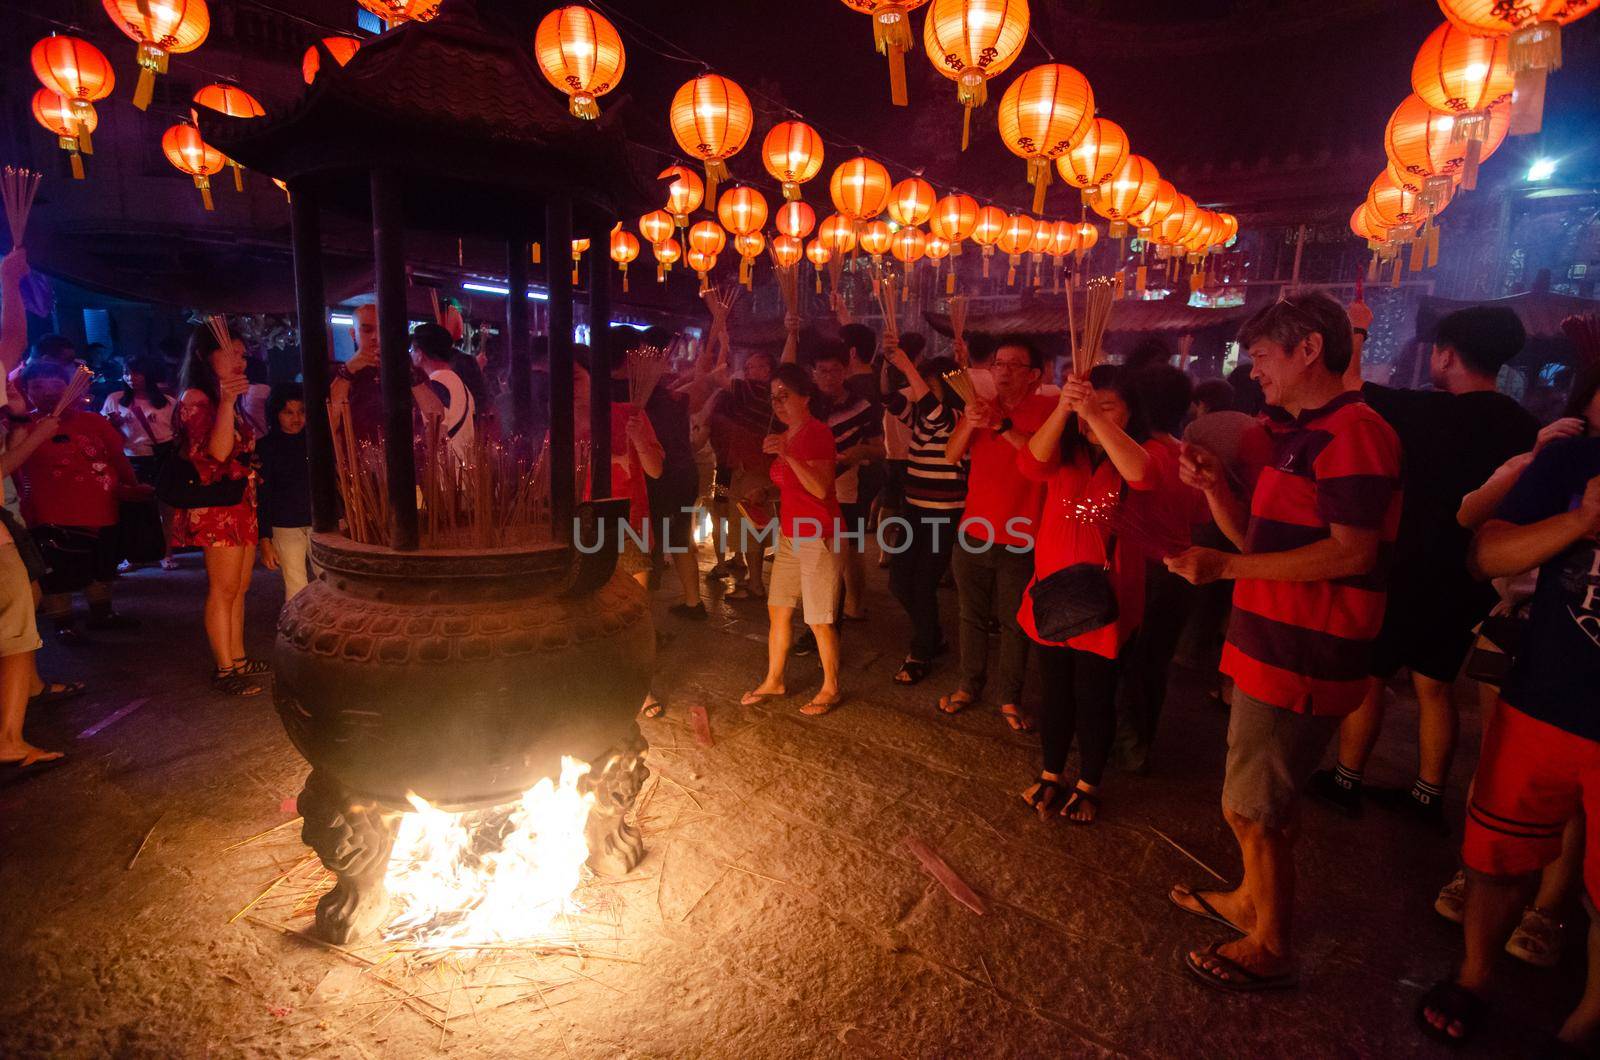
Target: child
<point>283,495</point>
<point>71,486</point>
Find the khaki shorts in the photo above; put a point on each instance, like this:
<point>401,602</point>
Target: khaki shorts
<point>1272,752</point>
<point>805,571</point>
<point>19,630</point>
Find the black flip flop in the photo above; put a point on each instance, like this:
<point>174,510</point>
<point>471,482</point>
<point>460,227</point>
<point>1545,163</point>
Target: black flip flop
<point>16,772</point>
<point>1043,800</point>
<point>1459,1005</point>
<point>1245,981</point>
<point>1018,721</point>
<point>1079,795</point>
<point>1207,911</point>
<point>56,692</point>
<point>956,706</point>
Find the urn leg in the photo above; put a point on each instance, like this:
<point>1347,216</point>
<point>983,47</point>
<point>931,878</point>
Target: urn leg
<point>615,845</point>
<point>353,840</point>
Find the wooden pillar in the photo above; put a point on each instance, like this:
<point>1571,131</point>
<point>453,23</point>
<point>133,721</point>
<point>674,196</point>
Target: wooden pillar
<point>563,448</point>
<point>600,357</point>
<point>311,307</point>
<point>394,357</point>
<point>519,342</point>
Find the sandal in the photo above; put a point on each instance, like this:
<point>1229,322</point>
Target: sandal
<point>1230,975</point>
<point>1458,1005</point>
<point>818,707</point>
<point>911,671</point>
<point>1089,798</point>
<point>751,698</point>
<point>1018,721</point>
<point>653,708</point>
<point>1042,797</point>
<point>56,691</point>
<point>32,764</point>
<point>251,667</point>
<point>1537,940</point>
<point>956,702</point>
<point>1452,900</point>
<point>230,682</point>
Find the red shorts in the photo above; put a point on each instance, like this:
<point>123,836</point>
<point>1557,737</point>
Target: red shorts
<point>1532,779</point>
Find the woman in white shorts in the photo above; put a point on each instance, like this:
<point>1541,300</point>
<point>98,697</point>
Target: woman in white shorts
<point>805,569</point>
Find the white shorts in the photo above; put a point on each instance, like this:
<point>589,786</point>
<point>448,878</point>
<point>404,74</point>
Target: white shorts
<point>19,631</point>
<point>805,571</point>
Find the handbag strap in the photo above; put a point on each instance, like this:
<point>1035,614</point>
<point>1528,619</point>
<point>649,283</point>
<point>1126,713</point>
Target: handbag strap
<point>144,424</point>
<point>1111,539</point>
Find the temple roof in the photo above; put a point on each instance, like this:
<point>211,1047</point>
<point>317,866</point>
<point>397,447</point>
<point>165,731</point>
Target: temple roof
<point>458,106</point>
<point>1049,317</point>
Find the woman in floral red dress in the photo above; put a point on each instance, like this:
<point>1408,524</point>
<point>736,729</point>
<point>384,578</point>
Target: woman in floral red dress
<point>215,438</point>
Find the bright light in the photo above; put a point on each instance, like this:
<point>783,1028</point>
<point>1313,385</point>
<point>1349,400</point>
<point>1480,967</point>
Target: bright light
<point>1542,169</point>
<point>342,319</point>
<point>490,288</point>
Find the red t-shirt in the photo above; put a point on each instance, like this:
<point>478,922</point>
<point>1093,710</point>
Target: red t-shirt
<point>72,478</point>
<point>1306,646</point>
<point>800,513</point>
<point>1064,540</point>
<point>1166,515</point>
<point>1002,503</point>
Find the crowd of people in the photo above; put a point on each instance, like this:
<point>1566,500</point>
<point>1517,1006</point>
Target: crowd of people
<point>1307,534</point>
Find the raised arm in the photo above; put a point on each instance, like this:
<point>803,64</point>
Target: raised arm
<point>1503,547</point>
<point>1360,320</point>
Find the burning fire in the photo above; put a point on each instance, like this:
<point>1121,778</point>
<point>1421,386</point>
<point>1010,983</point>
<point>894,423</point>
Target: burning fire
<point>494,876</point>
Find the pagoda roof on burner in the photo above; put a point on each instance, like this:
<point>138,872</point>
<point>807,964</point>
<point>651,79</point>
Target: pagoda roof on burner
<point>459,107</point>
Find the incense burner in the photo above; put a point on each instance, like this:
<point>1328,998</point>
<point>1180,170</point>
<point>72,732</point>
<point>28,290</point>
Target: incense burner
<point>462,677</point>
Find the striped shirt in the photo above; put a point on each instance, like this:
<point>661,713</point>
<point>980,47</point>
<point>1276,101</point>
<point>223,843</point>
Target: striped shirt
<point>932,482</point>
<point>853,421</point>
<point>1306,646</point>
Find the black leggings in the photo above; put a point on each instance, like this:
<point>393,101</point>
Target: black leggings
<point>1080,699</point>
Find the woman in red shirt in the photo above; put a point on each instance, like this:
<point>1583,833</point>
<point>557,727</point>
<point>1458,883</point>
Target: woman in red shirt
<point>1093,446</point>
<point>213,436</point>
<point>805,568</point>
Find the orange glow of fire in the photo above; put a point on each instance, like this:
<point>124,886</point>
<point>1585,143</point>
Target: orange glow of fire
<point>490,877</point>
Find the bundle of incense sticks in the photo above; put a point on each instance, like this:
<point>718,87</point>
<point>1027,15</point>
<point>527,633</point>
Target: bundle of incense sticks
<point>891,325</point>
<point>1098,297</point>
<point>18,187</point>
<point>78,386</point>
<point>646,366</point>
<point>219,330</point>
<point>789,288</point>
<point>961,383</point>
<point>958,328</point>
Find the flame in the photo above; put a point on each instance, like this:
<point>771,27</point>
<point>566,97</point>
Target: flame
<point>486,877</point>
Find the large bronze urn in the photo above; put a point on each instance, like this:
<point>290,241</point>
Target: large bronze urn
<point>462,677</point>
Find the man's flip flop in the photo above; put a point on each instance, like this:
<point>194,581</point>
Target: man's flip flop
<point>1206,911</point>
<point>1015,718</point>
<point>750,699</point>
<point>954,703</point>
<point>1243,980</point>
<point>818,707</point>
<point>19,769</point>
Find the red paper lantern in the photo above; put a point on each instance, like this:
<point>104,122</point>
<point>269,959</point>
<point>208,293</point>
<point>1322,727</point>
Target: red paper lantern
<point>1043,115</point>
<point>185,150</point>
<point>1423,144</point>
<point>624,249</point>
<point>56,113</point>
<point>1461,75</point>
<point>1131,188</point>
<point>908,245</point>
<point>859,189</point>
<point>656,226</point>
<point>875,238</point>
<point>742,209</point>
<point>1532,30</point>
<point>159,28</point>
<point>971,41</point>
<point>234,102</point>
<point>954,217</point>
<point>395,12</point>
<point>838,234</point>
<point>711,120</point>
<point>911,201</point>
<point>1096,157</point>
<point>684,194</point>
<point>1164,202</point>
<point>579,52</point>
<point>343,49</point>
<point>707,237</point>
<point>792,153</point>
<point>787,250</point>
<point>795,219</point>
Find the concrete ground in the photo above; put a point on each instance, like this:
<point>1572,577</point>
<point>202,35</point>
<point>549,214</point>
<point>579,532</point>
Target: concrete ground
<point>779,912</point>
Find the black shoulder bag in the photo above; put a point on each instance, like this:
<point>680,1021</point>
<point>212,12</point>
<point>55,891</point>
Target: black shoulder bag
<point>1076,599</point>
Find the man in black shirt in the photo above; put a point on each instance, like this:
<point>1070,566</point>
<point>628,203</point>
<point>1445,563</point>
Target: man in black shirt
<point>1453,438</point>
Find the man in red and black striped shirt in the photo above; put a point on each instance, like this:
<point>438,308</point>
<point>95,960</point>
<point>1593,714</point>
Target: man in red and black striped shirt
<point>1308,603</point>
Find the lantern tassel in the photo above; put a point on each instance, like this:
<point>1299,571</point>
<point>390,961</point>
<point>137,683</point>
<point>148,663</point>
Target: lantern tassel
<point>205,192</point>
<point>238,176</point>
<point>85,142</point>
<point>988,252</point>
<point>536,254</point>
<point>966,125</point>
<point>819,281</point>
<point>77,166</point>
<point>624,279</point>
<point>893,39</point>
<point>1433,245</point>
<point>1419,247</point>
<point>145,89</point>
<point>1532,53</point>
<point>1372,267</point>
<point>1394,281</point>
<point>1141,278</point>
<point>575,280</point>
<point>661,274</point>
<point>791,191</point>
<point>744,272</point>
<point>1011,273</point>
<point>1039,177</point>
<point>1469,169</point>
<point>950,282</point>
<point>897,76</point>
<point>1527,102</point>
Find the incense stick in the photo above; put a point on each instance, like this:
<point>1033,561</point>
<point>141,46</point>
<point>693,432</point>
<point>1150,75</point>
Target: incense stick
<point>646,365</point>
<point>78,386</point>
<point>18,187</point>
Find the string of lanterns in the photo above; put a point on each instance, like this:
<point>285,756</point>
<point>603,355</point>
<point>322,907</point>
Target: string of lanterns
<point>1045,116</point>
<point>1478,78</point>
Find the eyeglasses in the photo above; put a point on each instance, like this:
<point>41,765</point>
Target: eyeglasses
<point>779,394</point>
<point>1012,366</point>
